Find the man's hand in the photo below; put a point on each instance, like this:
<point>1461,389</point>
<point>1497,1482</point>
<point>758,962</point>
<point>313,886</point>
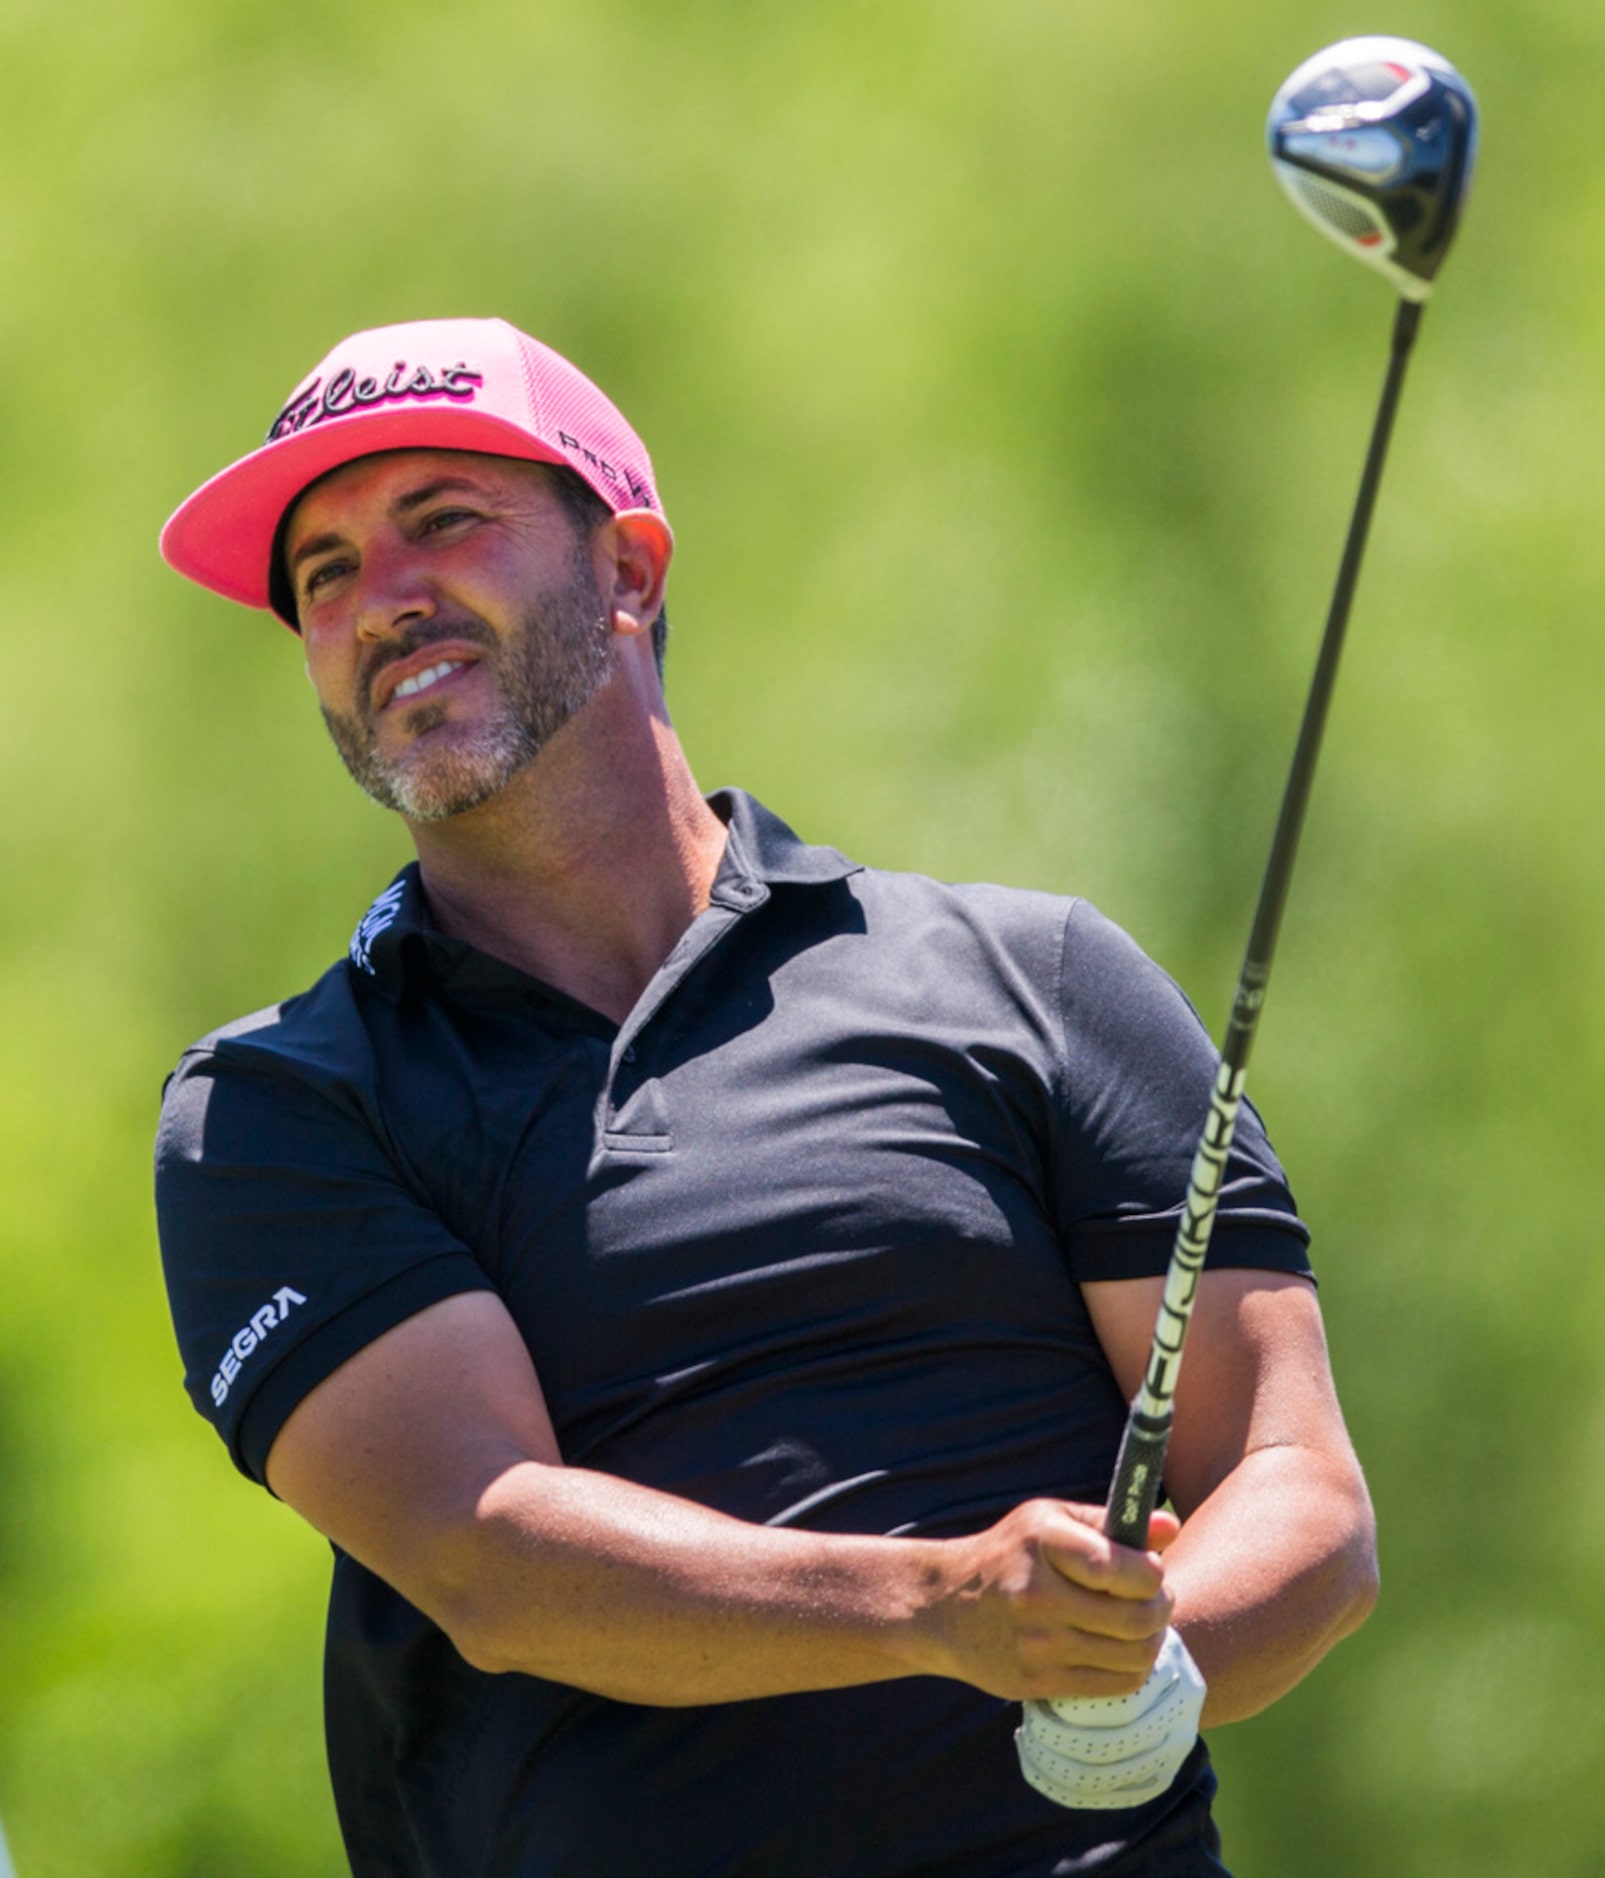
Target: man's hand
<point>1043,1605</point>
<point>1119,1751</point>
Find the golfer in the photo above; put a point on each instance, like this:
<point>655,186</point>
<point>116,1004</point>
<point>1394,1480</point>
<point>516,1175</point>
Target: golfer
<point>693,1279</point>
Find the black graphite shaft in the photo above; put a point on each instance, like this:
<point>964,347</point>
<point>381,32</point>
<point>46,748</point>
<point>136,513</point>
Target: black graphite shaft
<point>1139,1469</point>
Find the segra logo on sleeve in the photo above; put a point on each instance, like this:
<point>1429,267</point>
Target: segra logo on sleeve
<point>248,1336</point>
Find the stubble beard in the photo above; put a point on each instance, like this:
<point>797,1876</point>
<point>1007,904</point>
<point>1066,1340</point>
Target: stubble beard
<point>560,658</point>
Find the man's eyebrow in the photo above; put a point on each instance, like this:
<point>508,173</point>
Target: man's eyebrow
<point>442,485</point>
<point>403,505</point>
<point>319,544</point>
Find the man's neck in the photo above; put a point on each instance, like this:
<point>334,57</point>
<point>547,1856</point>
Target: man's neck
<point>588,867</point>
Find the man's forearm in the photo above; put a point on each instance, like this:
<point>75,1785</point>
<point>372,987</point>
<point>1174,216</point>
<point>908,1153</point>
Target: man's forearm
<point>643,1597</point>
<point>1276,1566</point>
<point>430,1457</point>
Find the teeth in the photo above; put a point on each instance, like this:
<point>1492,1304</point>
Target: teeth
<point>410,687</point>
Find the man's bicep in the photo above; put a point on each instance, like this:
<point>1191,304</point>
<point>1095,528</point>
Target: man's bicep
<point>1254,1372</point>
<point>390,1454</point>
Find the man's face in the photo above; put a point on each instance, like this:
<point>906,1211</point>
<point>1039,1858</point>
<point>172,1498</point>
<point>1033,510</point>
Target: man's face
<point>452,621</point>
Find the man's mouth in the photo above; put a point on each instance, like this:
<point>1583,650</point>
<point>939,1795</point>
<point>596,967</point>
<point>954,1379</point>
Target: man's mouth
<point>421,681</point>
<point>403,681</point>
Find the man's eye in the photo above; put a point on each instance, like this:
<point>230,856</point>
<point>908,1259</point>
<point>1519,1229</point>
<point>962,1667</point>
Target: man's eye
<point>322,574</point>
<point>445,518</point>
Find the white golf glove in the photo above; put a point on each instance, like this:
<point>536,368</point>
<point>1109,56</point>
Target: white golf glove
<point>1119,1750</point>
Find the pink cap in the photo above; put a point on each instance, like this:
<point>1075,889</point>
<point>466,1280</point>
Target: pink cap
<point>428,385</point>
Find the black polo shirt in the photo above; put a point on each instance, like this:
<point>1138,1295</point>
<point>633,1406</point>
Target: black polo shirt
<point>800,1240</point>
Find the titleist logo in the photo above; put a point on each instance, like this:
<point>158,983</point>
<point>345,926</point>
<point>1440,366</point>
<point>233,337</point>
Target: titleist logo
<point>345,393</point>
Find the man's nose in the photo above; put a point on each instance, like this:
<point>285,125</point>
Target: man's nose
<point>394,591</point>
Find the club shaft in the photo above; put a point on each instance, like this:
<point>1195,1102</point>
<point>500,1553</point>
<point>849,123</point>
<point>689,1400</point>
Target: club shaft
<point>1139,1469</point>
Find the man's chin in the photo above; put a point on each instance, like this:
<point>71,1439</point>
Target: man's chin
<point>441,777</point>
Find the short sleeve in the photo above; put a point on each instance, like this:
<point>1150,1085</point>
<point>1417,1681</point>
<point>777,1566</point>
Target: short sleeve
<point>1138,1067</point>
<point>289,1240</point>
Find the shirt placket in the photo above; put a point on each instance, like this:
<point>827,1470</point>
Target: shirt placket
<point>633,1113</point>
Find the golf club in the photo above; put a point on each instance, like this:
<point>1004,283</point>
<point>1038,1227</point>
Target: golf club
<point>1374,139</point>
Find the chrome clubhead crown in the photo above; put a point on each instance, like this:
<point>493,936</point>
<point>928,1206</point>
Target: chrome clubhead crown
<point>1374,140</point>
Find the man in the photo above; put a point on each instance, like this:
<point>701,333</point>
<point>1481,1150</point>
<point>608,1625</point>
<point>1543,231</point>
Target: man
<point>692,1279</point>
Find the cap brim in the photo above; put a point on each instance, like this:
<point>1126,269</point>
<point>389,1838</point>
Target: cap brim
<point>223,535</point>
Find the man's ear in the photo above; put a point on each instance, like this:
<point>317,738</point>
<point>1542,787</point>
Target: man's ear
<point>637,547</point>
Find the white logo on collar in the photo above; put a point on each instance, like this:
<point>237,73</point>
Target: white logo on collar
<point>378,918</point>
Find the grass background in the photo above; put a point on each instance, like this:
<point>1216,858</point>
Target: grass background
<point>1009,420</point>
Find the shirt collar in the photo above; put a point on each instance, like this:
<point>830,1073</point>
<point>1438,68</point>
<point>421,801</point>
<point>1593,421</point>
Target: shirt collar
<point>390,930</point>
<point>396,932</point>
<point>761,847</point>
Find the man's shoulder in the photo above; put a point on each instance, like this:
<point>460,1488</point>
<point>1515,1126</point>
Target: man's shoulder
<point>316,1039</point>
<point>332,1014</point>
<point>982,898</point>
<point>962,935</point>
<point>990,910</point>
<point>1030,914</point>
<point>325,1006</point>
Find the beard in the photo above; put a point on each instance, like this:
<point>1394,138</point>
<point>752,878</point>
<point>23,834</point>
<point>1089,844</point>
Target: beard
<point>560,657</point>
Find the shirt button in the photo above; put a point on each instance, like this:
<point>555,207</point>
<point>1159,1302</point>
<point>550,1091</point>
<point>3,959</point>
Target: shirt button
<point>629,1053</point>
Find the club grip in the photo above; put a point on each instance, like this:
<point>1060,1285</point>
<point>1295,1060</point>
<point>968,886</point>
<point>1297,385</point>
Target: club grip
<point>1134,1493</point>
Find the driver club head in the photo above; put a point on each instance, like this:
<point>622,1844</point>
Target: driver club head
<point>1375,140</point>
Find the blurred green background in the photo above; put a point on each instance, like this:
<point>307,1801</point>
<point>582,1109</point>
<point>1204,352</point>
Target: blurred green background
<point>1009,419</point>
